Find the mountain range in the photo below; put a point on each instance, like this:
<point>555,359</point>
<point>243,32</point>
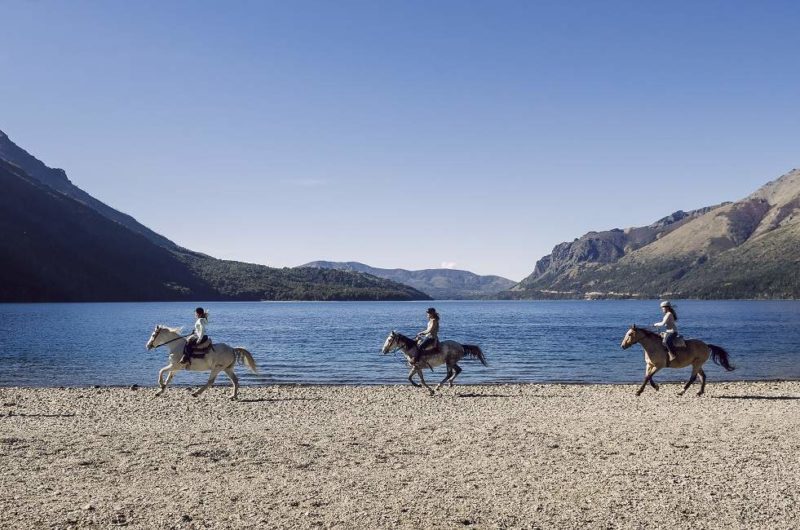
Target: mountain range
<point>441,284</point>
<point>744,249</point>
<point>60,244</point>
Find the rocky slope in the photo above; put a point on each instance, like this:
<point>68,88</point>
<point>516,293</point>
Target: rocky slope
<point>746,249</point>
<point>441,284</point>
<point>57,245</point>
<point>56,178</point>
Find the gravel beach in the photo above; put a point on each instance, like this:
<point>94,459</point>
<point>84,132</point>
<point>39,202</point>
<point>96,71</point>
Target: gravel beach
<point>507,456</point>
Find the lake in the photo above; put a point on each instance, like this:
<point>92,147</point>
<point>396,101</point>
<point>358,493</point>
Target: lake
<point>339,342</point>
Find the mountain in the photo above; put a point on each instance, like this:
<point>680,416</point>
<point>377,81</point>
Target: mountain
<point>57,179</point>
<point>59,244</point>
<point>745,249</point>
<point>441,284</point>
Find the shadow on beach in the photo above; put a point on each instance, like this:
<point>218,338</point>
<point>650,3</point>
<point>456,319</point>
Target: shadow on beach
<point>266,400</point>
<point>768,398</point>
<point>42,415</point>
<point>472,395</point>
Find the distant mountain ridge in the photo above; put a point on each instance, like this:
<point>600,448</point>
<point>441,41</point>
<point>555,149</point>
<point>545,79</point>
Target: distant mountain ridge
<point>745,249</point>
<point>451,284</point>
<point>59,244</point>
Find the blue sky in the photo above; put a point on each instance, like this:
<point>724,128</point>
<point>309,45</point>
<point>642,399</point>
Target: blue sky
<point>403,134</point>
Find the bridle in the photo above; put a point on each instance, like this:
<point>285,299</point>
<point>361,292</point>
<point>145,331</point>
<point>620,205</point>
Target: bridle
<point>634,338</point>
<point>155,335</point>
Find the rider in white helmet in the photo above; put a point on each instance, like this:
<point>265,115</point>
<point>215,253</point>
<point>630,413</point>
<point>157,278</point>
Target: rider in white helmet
<point>671,330</point>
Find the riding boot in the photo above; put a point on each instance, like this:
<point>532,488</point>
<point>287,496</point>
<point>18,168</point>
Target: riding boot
<point>187,353</point>
<point>670,357</point>
<point>417,356</point>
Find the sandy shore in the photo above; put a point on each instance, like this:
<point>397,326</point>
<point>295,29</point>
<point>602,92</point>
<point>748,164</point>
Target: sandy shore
<point>383,457</point>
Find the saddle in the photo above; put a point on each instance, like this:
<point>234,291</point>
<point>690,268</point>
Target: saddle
<point>201,348</point>
<point>430,350</point>
<point>678,341</point>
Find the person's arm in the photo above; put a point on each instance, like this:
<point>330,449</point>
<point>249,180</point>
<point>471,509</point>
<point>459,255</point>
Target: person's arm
<point>426,330</point>
<point>663,322</point>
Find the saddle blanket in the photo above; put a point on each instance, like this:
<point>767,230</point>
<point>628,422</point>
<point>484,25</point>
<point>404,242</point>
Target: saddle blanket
<point>201,348</point>
<point>678,341</point>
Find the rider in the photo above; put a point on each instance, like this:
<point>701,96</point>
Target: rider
<point>670,316</point>
<point>430,337</point>
<point>198,336</point>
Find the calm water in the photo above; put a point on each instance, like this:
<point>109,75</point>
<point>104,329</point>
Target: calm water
<point>338,343</point>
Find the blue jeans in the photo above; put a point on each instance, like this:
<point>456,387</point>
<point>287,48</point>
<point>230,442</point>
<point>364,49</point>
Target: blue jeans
<point>669,340</point>
<point>429,342</point>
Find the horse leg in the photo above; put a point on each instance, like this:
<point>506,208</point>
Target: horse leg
<point>422,380</point>
<point>446,377</point>
<point>654,384</point>
<point>691,380</point>
<point>235,380</point>
<point>163,384</point>
<point>457,369</point>
<point>211,378</point>
<point>702,382</point>
<point>411,376</point>
<point>649,373</point>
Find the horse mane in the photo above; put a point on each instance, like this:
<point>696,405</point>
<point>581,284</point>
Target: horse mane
<point>649,333</point>
<point>405,340</point>
<point>173,330</point>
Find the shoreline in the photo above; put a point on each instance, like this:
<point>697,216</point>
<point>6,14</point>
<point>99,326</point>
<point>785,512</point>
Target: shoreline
<point>474,456</point>
<point>222,382</point>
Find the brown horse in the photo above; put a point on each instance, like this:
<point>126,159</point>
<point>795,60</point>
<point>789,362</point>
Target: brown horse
<point>695,353</point>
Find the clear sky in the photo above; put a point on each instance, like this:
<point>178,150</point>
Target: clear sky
<point>403,134</point>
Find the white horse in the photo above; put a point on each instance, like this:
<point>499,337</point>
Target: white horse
<point>220,358</point>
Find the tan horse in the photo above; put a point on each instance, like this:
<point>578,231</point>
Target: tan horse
<point>695,353</point>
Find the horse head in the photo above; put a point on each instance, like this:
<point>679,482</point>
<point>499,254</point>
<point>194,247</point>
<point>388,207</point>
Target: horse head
<point>390,343</point>
<point>151,342</point>
<point>631,337</point>
<point>164,333</point>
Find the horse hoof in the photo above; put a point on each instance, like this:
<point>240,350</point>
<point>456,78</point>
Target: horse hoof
<point>700,394</point>
<point>195,394</point>
<point>638,394</point>
<point>680,393</point>
<point>234,398</point>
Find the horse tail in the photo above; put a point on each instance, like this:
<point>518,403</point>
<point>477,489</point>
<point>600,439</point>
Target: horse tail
<point>720,357</point>
<point>244,357</point>
<point>474,352</point>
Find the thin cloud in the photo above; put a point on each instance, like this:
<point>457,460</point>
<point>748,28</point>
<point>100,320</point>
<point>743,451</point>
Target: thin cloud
<point>449,264</point>
<point>306,182</point>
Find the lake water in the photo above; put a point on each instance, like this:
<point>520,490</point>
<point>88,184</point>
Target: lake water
<point>339,343</point>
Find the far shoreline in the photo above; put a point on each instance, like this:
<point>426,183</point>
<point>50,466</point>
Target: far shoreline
<point>421,301</point>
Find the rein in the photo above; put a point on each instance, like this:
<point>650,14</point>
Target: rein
<point>173,340</point>
<point>403,343</point>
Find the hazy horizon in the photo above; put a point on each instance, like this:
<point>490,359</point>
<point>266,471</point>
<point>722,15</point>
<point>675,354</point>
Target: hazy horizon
<point>403,135</point>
